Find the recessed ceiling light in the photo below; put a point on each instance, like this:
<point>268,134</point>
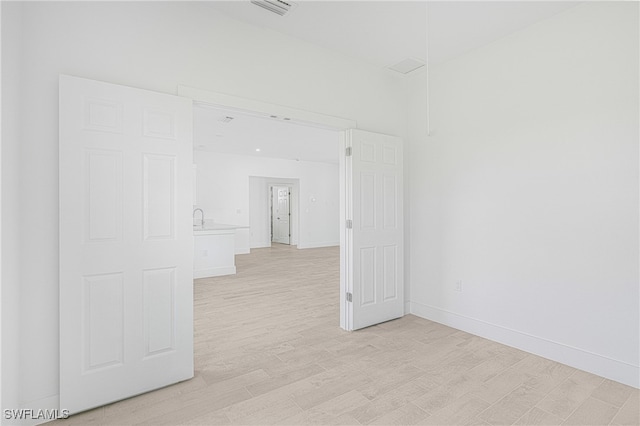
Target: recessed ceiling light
<point>273,116</point>
<point>257,149</point>
<point>286,119</point>
<point>219,135</point>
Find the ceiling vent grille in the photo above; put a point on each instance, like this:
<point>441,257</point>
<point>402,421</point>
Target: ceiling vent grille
<point>276,6</point>
<point>226,119</point>
<point>407,65</point>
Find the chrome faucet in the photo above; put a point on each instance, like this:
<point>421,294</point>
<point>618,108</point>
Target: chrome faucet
<point>201,220</point>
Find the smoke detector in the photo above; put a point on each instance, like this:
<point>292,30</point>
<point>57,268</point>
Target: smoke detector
<point>276,6</point>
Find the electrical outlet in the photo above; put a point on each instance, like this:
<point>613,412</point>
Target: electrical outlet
<point>459,286</point>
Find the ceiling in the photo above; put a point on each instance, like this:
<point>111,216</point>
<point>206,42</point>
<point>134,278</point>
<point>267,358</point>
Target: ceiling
<point>384,33</point>
<point>381,33</point>
<point>274,137</point>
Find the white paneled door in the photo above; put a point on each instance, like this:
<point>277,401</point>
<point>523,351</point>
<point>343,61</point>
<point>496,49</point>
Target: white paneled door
<point>281,214</point>
<point>374,179</point>
<point>126,242</point>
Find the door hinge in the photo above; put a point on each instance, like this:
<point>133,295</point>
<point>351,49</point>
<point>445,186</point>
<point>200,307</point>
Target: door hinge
<point>349,297</point>
<point>349,224</point>
<point>348,152</point>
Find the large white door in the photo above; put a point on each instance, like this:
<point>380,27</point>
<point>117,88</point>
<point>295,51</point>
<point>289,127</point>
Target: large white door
<point>374,242</point>
<point>126,242</point>
<point>281,214</point>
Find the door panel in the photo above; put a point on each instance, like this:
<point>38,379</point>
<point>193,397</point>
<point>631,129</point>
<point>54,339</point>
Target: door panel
<point>159,310</point>
<point>158,193</point>
<point>126,242</point>
<point>103,218</point>
<point>103,339</point>
<point>375,240</point>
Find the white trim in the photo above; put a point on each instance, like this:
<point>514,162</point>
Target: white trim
<point>214,272</point>
<point>236,102</point>
<point>319,245</point>
<point>48,403</point>
<point>344,258</point>
<point>600,365</point>
<point>1,239</point>
<point>261,244</point>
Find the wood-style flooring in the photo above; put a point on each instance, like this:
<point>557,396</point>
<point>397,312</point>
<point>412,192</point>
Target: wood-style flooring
<point>269,350</point>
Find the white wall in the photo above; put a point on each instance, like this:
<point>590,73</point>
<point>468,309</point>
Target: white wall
<point>10,178</point>
<point>527,190</point>
<point>153,46</point>
<point>224,189</point>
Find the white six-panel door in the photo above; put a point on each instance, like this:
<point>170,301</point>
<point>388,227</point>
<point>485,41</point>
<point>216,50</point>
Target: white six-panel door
<point>281,214</point>
<point>126,242</point>
<point>374,179</point>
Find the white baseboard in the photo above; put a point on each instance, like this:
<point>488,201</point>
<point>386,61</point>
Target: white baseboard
<point>407,308</point>
<point>318,245</point>
<point>600,365</point>
<point>261,244</point>
<point>33,412</point>
<point>214,272</point>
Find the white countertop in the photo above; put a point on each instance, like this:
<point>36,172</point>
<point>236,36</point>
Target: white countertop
<point>216,229</point>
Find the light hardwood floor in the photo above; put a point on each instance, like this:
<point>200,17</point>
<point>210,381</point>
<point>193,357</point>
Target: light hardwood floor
<point>269,350</point>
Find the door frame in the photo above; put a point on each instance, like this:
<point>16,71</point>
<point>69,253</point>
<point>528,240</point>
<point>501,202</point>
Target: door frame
<point>290,188</point>
<point>246,105</point>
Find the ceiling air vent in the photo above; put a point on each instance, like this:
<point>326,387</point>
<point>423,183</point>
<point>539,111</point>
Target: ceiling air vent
<point>407,65</point>
<point>276,6</point>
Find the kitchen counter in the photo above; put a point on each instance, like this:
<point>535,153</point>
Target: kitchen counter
<point>216,229</point>
<point>215,247</point>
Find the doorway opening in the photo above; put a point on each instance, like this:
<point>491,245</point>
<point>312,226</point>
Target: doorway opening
<point>260,210</point>
<point>339,125</point>
<point>280,214</point>
<point>370,158</point>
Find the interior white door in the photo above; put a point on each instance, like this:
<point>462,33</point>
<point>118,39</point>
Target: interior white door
<point>126,242</point>
<point>375,277</point>
<point>281,214</point>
